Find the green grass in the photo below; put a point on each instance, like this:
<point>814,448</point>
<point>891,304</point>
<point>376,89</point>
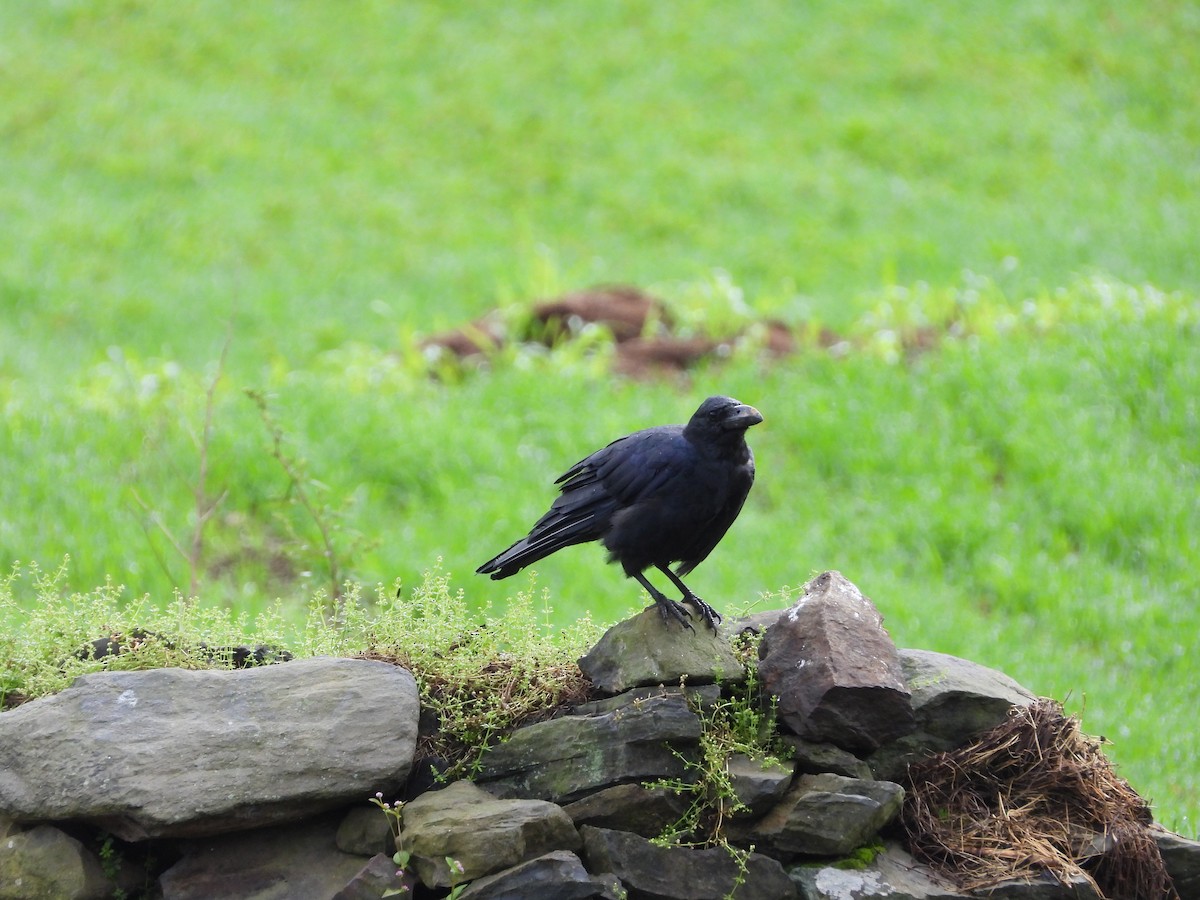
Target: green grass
<point>323,183</point>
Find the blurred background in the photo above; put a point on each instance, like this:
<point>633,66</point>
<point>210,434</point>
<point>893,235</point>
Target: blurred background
<point>948,250</point>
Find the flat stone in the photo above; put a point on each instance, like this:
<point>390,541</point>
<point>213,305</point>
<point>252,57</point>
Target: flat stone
<point>835,670</point>
<point>828,815</point>
<point>817,758</point>
<point>630,807</point>
<point>479,832</point>
<point>567,758</point>
<point>174,752</point>
<point>665,873</point>
<point>555,876</point>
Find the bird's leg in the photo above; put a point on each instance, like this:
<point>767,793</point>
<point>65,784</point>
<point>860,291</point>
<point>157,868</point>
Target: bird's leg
<point>668,608</point>
<point>711,617</point>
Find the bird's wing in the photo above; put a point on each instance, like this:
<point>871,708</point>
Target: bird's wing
<point>634,467</point>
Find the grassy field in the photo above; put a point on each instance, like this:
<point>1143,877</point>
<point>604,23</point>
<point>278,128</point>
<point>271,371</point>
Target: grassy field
<point>319,184</point>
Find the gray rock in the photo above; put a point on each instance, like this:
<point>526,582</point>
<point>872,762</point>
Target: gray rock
<point>828,815</point>
<point>483,834</point>
<point>1182,859</point>
<point>173,752</point>
<point>756,783</point>
<point>630,807</point>
<point>835,670</point>
<point>365,831</point>
<point>46,864</point>
<point>567,758</point>
<point>650,872</point>
<point>645,650</point>
<point>283,861</point>
<point>377,879</point>
<point>892,875</point>
<point>953,700</point>
<point>555,876</point>
<point>816,758</point>
<point>1045,887</point>
<point>700,696</point>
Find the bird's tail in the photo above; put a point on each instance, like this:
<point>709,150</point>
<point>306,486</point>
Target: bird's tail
<point>573,519</point>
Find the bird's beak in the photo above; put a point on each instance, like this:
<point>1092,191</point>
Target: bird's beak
<point>743,417</point>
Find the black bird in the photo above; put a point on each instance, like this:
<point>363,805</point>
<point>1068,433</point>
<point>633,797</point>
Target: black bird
<point>662,495</point>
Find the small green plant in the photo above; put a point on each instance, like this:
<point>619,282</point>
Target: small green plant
<point>394,811</point>
<point>458,883</point>
<point>110,865</point>
<point>482,674</point>
<point>742,722</point>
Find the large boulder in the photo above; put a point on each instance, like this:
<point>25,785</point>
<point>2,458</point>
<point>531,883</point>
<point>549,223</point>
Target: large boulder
<point>835,669</point>
<point>467,827</point>
<point>174,752</point>
<point>567,758</point>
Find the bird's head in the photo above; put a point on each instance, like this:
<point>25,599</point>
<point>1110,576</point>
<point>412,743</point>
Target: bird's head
<point>723,415</point>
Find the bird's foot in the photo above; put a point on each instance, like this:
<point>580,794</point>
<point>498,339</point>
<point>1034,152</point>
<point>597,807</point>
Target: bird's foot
<point>711,617</point>
<point>673,610</point>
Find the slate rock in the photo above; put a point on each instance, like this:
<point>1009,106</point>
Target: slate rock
<point>175,752</point>
<point>555,876</point>
<point>835,669</point>
<point>47,864</point>
<point>756,783</point>
<point>816,758</point>
<point>953,700</point>
<point>630,807</point>
<point>296,860</point>
<point>650,872</point>
<point>1044,887</point>
<point>645,650</point>
<point>377,879</point>
<point>565,759</point>
<point>699,696</point>
<point>828,815</point>
<point>482,833</point>
<point>1181,856</point>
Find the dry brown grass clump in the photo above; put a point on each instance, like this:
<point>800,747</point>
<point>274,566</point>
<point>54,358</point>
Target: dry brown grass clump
<point>1033,796</point>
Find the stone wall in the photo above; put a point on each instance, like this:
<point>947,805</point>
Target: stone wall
<point>257,783</point>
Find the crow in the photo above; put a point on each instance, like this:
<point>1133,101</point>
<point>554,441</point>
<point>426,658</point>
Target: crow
<point>657,496</point>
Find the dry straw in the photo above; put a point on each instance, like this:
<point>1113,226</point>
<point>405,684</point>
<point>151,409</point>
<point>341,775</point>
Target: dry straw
<point>1034,797</point>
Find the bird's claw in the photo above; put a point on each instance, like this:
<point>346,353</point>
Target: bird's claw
<point>671,609</point>
<point>711,617</point>
<point>674,610</point>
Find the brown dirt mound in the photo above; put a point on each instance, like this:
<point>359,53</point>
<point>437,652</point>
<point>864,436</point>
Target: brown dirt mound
<point>1033,796</point>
